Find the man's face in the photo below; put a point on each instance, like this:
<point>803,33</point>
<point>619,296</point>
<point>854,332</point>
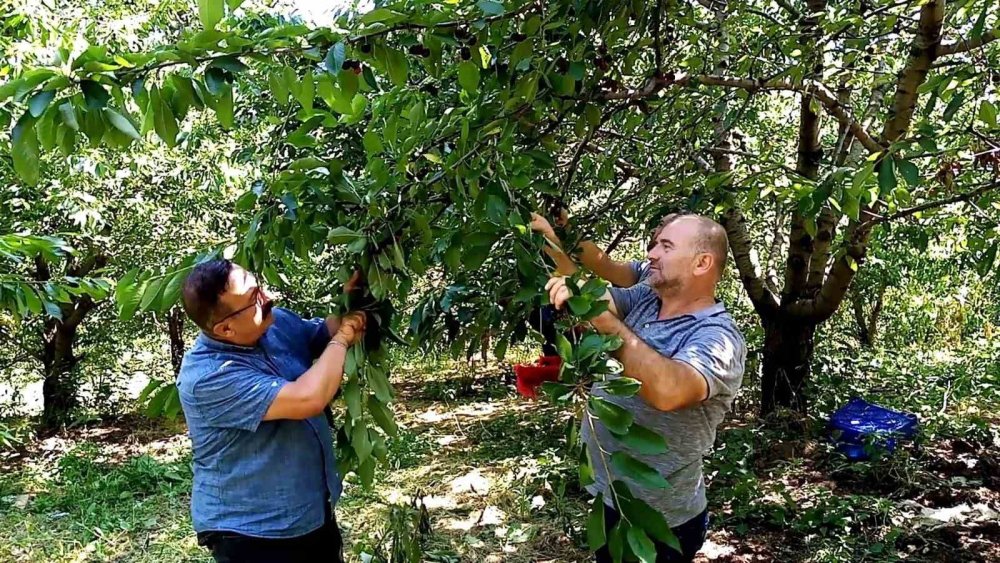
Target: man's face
<point>673,259</point>
<point>244,310</point>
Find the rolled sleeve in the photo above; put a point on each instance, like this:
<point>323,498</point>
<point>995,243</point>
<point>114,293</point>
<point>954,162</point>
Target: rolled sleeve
<point>236,396</point>
<point>718,353</point>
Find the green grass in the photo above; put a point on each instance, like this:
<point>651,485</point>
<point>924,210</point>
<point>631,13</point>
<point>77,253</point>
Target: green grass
<point>490,471</point>
<point>85,508</point>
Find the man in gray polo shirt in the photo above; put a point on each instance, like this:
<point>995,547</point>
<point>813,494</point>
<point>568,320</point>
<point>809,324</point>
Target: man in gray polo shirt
<point>685,349</point>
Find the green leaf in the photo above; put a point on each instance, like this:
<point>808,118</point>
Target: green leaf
<point>366,471</point>
<point>490,8</point>
<point>335,58</point>
<point>94,94</point>
<point>372,143</point>
<point>172,291</point>
<point>642,547</point>
<point>643,440</point>
<point>172,407</point>
<point>352,391</point>
<point>278,89</point>
<point>9,89</point>
<point>210,12</point>
<point>398,66</point>
<point>522,51</point>
<point>121,123</point>
<point>342,235</point>
<point>216,80</point>
<point>233,4</point>
<point>468,76</point>
<point>379,383</point>
<point>380,15</point>
<point>862,176</point>
<point>596,535</point>
<point>359,441</point>
<point>980,25</point>
<point>306,91</point>
<point>637,471</point>
<point>579,305</point>
<point>150,294</point>
<point>954,105</point>
<point>224,108</point>
<point>636,510</point>
<point>40,101</point>
<point>988,114</point>
<point>24,150</point>
<point>613,416</point>
<point>31,299</point>
<point>155,406</point>
<point>909,172</point>
<point>230,63</point>
<point>622,386</point>
<point>886,175</point>
<point>616,540</point>
<point>68,113</point>
<point>382,415</point>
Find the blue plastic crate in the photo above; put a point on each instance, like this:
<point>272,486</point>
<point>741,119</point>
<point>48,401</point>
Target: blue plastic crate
<point>859,423</point>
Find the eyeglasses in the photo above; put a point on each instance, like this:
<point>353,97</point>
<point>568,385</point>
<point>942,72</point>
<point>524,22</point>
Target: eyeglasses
<point>258,299</point>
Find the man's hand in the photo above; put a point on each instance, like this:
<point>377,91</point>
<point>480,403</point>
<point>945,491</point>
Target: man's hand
<point>559,292</point>
<point>352,327</point>
<point>354,282</point>
<point>541,225</point>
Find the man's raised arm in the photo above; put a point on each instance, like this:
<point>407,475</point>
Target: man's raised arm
<point>591,256</point>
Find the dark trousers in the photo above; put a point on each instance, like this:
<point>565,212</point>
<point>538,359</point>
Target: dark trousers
<point>324,544</point>
<point>691,535</point>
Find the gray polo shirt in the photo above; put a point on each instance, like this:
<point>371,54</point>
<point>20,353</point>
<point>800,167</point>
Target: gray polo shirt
<point>708,341</point>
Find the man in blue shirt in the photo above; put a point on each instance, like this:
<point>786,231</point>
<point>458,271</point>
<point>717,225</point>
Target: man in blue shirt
<point>679,342</point>
<point>254,387</point>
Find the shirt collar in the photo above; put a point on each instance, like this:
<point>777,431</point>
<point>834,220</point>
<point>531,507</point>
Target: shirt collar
<point>212,344</point>
<point>710,311</point>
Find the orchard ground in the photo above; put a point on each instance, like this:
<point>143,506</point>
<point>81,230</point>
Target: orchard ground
<point>488,466</point>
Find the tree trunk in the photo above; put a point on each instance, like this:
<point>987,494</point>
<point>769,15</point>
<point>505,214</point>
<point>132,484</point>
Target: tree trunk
<point>59,387</point>
<point>59,337</point>
<point>857,305</point>
<point>175,330</point>
<point>788,352</point>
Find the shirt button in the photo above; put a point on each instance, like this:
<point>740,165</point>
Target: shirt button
<point>645,325</point>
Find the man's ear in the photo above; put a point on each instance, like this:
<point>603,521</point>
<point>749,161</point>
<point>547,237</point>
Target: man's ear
<point>222,329</point>
<point>704,263</point>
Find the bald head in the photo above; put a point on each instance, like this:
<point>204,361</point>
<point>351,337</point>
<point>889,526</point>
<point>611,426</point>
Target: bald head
<point>708,237</point>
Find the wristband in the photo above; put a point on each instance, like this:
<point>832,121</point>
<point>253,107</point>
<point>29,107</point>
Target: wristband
<point>334,341</point>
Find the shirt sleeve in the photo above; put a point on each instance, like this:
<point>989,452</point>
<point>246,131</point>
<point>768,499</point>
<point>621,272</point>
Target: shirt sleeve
<point>718,353</point>
<point>236,396</point>
<point>316,334</point>
<point>627,298</point>
<point>640,268</point>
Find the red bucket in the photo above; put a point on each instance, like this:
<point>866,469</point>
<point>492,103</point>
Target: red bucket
<point>530,376</point>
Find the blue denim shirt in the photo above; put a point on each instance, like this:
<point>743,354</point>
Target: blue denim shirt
<point>267,479</point>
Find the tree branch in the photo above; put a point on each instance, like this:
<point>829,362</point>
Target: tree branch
<point>966,45</point>
<point>923,51</point>
<point>764,302</point>
<point>809,152</point>
<point>934,204</point>
<point>652,87</point>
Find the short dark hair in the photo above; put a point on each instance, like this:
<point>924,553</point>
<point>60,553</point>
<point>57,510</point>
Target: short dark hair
<point>202,289</point>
